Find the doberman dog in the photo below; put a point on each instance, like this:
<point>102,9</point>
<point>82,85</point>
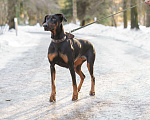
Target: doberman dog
<point>68,52</point>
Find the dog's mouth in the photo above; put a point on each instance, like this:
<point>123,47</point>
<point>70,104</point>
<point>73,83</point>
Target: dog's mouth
<point>48,29</point>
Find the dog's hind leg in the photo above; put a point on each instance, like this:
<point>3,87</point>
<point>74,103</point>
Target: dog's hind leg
<point>90,65</point>
<point>90,68</point>
<point>78,70</point>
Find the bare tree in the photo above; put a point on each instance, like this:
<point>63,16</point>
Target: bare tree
<point>82,9</point>
<point>125,19</point>
<point>3,12</point>
<point>11,13</point>
<point>37,9</point>
<point>74,11</point>
<point>134,15</point>
<point>147,16</point>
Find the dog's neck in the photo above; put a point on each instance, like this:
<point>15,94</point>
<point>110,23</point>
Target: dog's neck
<point>58,33</point>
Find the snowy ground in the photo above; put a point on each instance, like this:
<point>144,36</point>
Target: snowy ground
<point>122,71</point>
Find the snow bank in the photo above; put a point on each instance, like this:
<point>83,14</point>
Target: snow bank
<point>69,27</point>
<point>4,29</point>
<point>11,45</point>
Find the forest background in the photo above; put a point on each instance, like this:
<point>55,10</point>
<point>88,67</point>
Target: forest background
<point>84,11</point>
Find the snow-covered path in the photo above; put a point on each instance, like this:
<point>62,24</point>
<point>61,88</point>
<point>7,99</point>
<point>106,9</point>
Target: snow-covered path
<point>122,73</point>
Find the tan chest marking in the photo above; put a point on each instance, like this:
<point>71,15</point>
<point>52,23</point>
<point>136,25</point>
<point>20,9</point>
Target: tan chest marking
<point>64,57</point>
<point>52,56</point>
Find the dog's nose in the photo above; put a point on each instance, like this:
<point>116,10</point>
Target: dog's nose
<point>45,25</point>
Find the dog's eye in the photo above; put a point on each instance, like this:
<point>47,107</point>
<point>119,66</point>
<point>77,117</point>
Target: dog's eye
<point>47,18</point>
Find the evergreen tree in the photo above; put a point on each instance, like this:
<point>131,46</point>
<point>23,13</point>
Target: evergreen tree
<point>67,9</point>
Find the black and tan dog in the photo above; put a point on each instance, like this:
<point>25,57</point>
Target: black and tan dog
<point>66,51</point>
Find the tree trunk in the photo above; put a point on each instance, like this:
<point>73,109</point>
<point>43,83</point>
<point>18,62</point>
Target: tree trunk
<point>134,16</point>
<point>3,12</point>
<point>114,21</point>
<point>125,14</point>
<point>147,16</point>
<point>38,15</point>
<point>74,11</point>
<point>82,5</point>
<point>140,12</point>
<point>82,23</point>
<point>11,13</point>
<point>1,21</point>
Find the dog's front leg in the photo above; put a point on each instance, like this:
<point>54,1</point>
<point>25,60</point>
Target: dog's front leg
<point>53,92</point>
<point>75,92</point>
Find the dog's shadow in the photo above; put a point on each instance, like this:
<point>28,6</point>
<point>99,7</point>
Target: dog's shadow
<point>61,108</point>
<point>63,105</point>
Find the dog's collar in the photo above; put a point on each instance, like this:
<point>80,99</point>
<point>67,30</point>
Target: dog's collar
<point>59,40</point>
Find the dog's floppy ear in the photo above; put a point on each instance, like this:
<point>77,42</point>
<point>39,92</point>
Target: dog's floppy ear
<point>62,17</point>
<point>45,19</point>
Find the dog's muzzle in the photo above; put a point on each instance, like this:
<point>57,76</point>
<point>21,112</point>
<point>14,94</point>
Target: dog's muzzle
<point>45,25</point>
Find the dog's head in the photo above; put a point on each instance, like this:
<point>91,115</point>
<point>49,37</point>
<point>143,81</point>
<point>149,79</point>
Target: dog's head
<point>51,22</point>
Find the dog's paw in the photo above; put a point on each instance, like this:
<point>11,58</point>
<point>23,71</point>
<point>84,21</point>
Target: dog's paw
<point>92,93</point>
<point>75,97</point>
<point>79,88</point>
<point>52,98</point>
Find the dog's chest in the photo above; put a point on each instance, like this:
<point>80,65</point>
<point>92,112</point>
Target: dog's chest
<point>63,53</point>
<point>59,55</point>
<point>60,60</point>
